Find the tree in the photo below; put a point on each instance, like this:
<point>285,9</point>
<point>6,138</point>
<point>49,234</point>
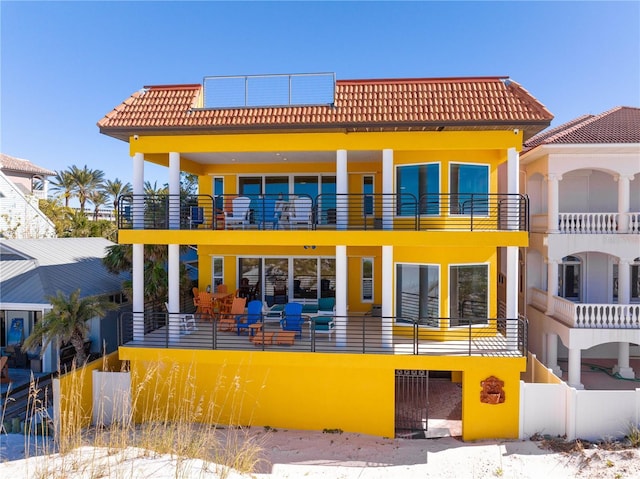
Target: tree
<point>85,181</point>
<point>115,189</point>
<point>63,183</point>
<point>98,198</point>
<point>66,322</point>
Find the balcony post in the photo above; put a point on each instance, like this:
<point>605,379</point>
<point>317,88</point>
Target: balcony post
<point>624,281</point>
<point>342,189</point>
<point>553,202</point>
<point>341,295</point>
<point>512,296</point>
<point>173,213</point>
<point>623,202</point>
<point>173,273</point>
<point>552,284</point>
<point>513,188</point>
<point>137,279</point>
<point>623,368</point>
<point>138,190</point>
<point>387,189</point>
<point>575,356</point>
<point>387,296</point>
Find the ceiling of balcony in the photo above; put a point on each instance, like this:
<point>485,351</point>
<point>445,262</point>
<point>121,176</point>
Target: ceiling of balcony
<point>273,157</point>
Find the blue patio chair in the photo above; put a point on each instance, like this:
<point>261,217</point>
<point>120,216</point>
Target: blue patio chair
<point>254,316</point>
<point>292,320</point>
<point>196,216</point>
<point>265,213</point>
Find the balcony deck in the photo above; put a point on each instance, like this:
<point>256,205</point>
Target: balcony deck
<point>352,335</point>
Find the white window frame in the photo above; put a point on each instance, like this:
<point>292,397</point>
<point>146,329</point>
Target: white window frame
<point>488,267</point>
<point>364,280</point>
<point>213,272</point>
<point>372,213</point>
<point>451,193</point>
<point>427,163</point>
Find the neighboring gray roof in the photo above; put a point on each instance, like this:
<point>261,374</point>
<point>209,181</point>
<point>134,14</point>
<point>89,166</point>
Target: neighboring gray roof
<point>32,269</point>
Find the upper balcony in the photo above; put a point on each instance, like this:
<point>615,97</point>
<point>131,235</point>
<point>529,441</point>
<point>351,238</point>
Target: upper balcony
<point>444,212</point>
<point>590,223</point>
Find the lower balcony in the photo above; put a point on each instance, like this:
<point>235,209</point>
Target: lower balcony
<point>588,315</point>
<point>327,334</point>
<point>589,223</point>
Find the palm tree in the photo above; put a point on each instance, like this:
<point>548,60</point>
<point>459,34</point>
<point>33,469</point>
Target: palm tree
<point>85,181</point>
<point>67,322</point>
<point>63,183</point>
<point>98,198</point>
<point>115,189</point>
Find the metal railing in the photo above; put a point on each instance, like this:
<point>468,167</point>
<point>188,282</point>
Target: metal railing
<point>469,212</point>
<point>329,334</point>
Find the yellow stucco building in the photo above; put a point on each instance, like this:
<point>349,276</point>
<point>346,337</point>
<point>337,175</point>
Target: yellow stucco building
<point>396,202</point>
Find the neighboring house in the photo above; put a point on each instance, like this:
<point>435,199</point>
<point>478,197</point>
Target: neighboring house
<point>583,181</point>
<point>33,269</point>
<point>397,200</point>
<point>20,216</point>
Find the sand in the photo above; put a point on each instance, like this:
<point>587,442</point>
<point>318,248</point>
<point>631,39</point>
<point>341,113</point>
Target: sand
<point>293,454</point>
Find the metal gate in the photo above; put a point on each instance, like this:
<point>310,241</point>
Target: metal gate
<point>412,403</point>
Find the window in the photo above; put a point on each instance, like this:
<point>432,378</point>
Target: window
<point>634,291</point>
<point>217,271</point>
<point>367,280</point>
<point>468,294</point>
<point>218,191</point>
<point>418,183</point>
<point>469,188</point>
<point>418,292</point>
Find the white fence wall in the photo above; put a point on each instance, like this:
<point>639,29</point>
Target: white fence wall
<point>559,410</point>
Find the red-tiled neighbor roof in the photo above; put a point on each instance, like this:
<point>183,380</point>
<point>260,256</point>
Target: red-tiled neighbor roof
<point>496,103</point>
<point>618,125</point>
<point>11,163</point>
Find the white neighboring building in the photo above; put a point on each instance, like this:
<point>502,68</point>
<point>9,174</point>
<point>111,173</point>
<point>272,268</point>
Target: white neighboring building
<point>583,262</point>
<point>20,216</point>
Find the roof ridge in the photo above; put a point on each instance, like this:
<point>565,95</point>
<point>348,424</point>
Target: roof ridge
<point>368,81</point>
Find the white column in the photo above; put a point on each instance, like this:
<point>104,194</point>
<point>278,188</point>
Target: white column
<point>137,279</point>
<point>623,202</point>
<point>342,188</point>
<point>174,191</point>
<point>552,354</point>
<point>387,296</point>
<point>553,202</point>
<point>341,295</point>
<point>137,210</point>
<point>512,296</point>
<point>552,284</point>
<point>574,368</point>
<point>623,368</point>
<point>624,281</point>
<point>173,271</point>
<point>513,187</point>
<point>387,189</point>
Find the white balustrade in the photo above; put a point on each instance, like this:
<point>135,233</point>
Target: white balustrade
<point>634,223</point>
<point>597,316</point>
<point>588,223</point>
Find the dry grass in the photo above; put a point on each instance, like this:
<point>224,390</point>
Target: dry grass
<point>159,417</point>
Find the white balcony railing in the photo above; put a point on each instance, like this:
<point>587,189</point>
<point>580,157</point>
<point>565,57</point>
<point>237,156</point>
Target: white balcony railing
<point>593,315</point>
<point>588,223</point>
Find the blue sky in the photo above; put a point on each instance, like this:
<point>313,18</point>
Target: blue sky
<point>64,65</point>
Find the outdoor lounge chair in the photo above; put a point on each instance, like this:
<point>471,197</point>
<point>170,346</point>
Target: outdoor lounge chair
<point>301,212</point>
<point>196,216</point>
<point>325,322</point>
<point>253,318</point>
<point>187,321</point>
<point>239,215</point>
<point>265,213</point>
<point>292,320</point>
<point>228,320</point>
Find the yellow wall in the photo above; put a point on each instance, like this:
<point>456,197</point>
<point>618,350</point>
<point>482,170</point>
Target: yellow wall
<point>315,391</point>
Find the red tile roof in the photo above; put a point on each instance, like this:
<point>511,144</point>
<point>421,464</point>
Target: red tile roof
<point>618,125</point>
<point>11,163</point>
<point>360,105</point>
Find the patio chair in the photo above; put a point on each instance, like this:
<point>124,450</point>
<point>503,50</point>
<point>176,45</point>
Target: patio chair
<point>4,370</point>
<point>196,216</point>
<point>325,322</point>
<point>254,318</point>
<point>265,213</point>
<point>292,320</point>
<point>301,212</point>
<point>239,215</point>
<point>228,320</point>
<point>187,321</point>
